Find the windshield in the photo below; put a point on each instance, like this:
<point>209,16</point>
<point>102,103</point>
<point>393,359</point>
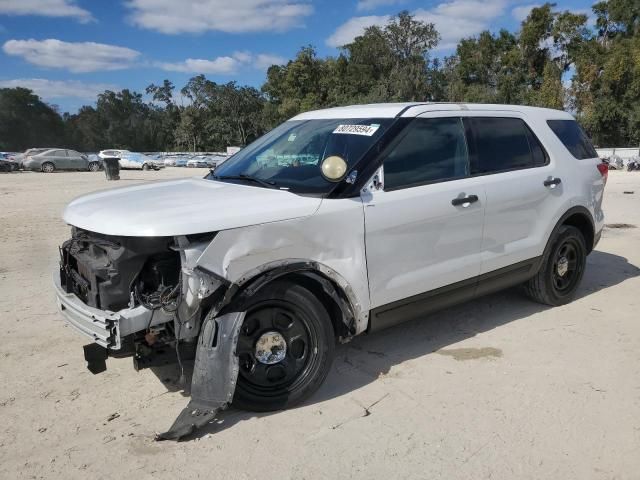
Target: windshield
<point>291,155</point>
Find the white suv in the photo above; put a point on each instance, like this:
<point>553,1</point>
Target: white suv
<point>336,223</point>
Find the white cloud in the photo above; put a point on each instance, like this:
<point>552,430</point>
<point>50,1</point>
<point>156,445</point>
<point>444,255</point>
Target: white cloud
<point>522,12</point>
<point>243,56</point>
<point>373,4</point>
<point>77,57</point>
<point>46,8</point>
<point>220,65</point>
<point>223,65</point>
<point>50,89</point>
<point>353,28</point>
<point>453,19</point>
<point>265,60</point>
<point>196,16</point>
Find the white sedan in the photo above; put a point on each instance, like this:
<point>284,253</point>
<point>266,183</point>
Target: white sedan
<point>133,160</point>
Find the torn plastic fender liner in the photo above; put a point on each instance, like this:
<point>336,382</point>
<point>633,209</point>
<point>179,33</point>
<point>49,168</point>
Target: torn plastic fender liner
<point>214,374</point>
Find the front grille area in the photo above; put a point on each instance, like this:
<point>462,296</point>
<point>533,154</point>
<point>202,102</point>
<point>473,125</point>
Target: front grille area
<point>101,269</point>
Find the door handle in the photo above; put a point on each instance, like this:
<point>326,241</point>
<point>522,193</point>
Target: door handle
<point>552,182</point>
<point>464,201</point>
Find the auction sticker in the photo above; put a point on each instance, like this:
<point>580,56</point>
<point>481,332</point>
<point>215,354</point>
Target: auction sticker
<point>366,130</point>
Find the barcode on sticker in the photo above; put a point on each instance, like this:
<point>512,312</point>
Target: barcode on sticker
<point>366,130</point>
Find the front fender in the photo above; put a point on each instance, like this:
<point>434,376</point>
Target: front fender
<point>331,242</point>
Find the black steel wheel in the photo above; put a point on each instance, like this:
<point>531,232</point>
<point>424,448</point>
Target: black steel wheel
<point>562,269</point>
<point>285,348</point>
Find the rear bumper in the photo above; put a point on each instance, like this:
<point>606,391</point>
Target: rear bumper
<point>597,238</point>
<point>104,327</point>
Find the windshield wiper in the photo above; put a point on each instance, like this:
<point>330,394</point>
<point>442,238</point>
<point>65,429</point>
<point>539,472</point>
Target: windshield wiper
<point>244,176</point>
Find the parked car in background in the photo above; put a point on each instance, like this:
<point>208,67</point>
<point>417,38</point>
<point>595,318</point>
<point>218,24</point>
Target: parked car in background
<point>53,159</point>
<point>218,160</point>
<point>9,158</point>
<point>31,151</point>
<point>180,161</point>
<point>633,164</point>
<point>5,166</point>
<point>175,160</point>
<point>94,157</point>
<point>133,160</point>
<point>200,161</point>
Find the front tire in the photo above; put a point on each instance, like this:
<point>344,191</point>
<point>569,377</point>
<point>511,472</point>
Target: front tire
<point>562,269</point>
<point>48,167</point>
<point>285,348</point>
<point>146,167</point>
<point>94,166</point>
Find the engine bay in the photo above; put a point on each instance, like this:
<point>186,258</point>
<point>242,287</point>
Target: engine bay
<point>112,273</point>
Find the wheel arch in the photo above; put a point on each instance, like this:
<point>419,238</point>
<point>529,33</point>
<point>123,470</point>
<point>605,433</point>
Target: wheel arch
<point>580,218</point>
<point>328,286</point>
<point>48,162</point>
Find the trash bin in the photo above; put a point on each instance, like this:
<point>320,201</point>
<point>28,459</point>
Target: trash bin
<point>111,168</point>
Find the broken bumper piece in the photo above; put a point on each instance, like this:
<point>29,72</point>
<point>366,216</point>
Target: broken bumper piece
<point>104,327</point>
<point>215,373</point>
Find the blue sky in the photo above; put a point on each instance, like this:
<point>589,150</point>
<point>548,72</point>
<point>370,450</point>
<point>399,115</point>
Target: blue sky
<point>70,50</point>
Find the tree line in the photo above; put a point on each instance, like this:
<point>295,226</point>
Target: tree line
<point>385,64</point>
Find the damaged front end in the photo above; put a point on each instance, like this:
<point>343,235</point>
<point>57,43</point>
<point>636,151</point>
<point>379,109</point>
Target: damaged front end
<point>146,297</point>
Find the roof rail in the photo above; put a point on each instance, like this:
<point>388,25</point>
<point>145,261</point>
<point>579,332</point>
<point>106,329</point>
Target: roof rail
<point>399,114</point>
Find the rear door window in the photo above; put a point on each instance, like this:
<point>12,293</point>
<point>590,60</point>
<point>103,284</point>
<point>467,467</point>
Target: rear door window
<point>432,150</point>
<point>574,138</point>
<point>56,153</point>
<point>504,144</point>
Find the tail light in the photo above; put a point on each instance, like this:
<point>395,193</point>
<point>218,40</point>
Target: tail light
<point>603,168</point>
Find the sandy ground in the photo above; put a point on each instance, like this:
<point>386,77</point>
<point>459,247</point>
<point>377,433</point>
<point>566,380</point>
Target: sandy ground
<point>497,388</point>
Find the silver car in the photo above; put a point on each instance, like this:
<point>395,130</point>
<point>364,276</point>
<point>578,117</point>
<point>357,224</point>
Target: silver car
<point>53,159</point>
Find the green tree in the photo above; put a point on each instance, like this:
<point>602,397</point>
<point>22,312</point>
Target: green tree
<point>233,118</point>
<point>606,85</point>
<point>165,112</point>
<point>26,121</point>
<point>297,86</point>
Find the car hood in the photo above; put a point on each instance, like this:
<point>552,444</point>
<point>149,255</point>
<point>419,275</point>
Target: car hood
<point>184,207</point>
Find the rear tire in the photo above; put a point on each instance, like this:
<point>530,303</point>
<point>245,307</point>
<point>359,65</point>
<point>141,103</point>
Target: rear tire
<point>48,167</point>
<point>145,167</point>
<point>562,269</point>
<point>298,334</point>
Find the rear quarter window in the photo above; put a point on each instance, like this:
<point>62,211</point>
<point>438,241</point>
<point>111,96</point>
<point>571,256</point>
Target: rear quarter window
<point>503,144</point>
<point>574,138</point>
